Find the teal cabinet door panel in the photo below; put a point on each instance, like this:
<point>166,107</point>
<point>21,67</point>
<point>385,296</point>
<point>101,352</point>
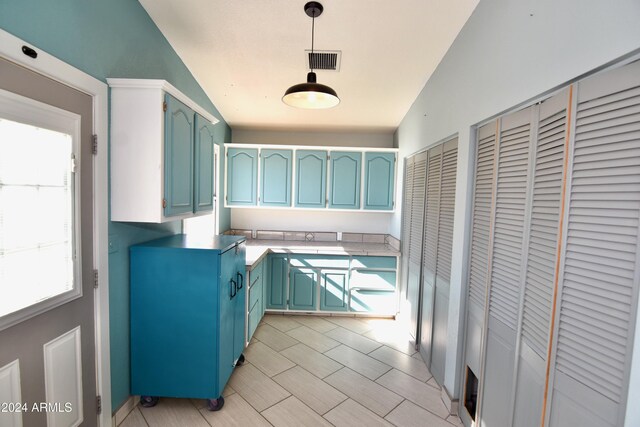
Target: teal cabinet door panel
<point>242,176</point>
<point>275,177</point>
<point>178,154</point>
<point>345,180</point>
<point>204,178</point>
<point>239,308</point>
<point>302,285</point>
<point>311,179</point>
<point>334,293</point>
<point>379,181</point>
<point>227,294</point>
<point>278,268</point>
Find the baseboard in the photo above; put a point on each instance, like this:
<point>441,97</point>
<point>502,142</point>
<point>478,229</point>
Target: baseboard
<point>451,403</point>
<point>124,410</point>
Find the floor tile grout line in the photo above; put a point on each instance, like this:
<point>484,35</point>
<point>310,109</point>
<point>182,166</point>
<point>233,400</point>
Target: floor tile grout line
<point>394,408</point>
<point>406,398</point>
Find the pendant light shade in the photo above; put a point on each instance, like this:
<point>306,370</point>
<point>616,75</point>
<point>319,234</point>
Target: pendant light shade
<point>311,95</point>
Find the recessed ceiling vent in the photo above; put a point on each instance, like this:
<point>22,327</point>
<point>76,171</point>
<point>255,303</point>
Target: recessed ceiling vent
<point>323,60</point>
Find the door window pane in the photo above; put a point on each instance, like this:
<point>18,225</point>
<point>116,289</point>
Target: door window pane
<point>37,203</point>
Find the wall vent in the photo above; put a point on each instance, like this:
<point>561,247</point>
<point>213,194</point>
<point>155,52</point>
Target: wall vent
<point>323,59</point>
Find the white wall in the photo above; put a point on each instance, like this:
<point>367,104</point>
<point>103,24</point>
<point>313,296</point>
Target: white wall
<point>303,220</point>
<point>508,53</point>
<point>340,139</point>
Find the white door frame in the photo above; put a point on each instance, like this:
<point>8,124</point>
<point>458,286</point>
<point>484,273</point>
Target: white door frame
<point>48,65</point>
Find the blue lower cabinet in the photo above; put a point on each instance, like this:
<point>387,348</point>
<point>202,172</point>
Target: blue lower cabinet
<point>256,304</point>
<point>373,301</point>
<point>239,309</point>
<point>334,291</point>
<point>186,334</point>
<point>278,270</point>
<point>303,283</point>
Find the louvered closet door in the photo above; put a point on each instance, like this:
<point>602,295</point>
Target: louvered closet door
<point>480,240</point>
<point>598,294</point>
<point>440,310</point>
<point>415,241</point>
<point>506,266</point>
<point>429,256</point>
<point>407,195</point>
<point>541,259</point>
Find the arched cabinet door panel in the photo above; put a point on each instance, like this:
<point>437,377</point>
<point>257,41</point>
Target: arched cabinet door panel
<point>275,177</point>
<point>311,179</point>
<point>345,180</point>
<point>242,176</point>
<point>379,174</point>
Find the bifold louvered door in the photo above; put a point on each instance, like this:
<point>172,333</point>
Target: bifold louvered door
<point>596,310</point>
<point>415,230</point>
<point>436,262</point>
<point>481,226</point>
<point>506,265</point>
<point>548,155</point>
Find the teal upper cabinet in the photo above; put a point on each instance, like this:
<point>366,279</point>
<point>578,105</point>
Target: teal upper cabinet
<point>275,177</point>
<point>204,179</point>
<point>311,178</point>
<point>161,153</point>
<point>345,180</point>
<point>379,180</point>
<point>242,176</point>
<point>178,152</point>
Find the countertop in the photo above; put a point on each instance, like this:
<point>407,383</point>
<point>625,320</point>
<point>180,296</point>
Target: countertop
<point>258,249</point>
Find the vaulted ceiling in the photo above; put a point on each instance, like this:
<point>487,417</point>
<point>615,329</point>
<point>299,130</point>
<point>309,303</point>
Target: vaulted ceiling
<point>246,53</point>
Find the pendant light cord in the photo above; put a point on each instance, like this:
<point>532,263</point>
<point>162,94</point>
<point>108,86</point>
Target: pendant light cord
<point>313,28</point>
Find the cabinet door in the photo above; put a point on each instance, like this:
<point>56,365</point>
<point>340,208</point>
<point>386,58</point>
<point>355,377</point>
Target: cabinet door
<point>227,293</point>
<point>311,178</point>
<point>379,177</point>
<point>239,308</point>
<point>278,266</point>
<point>178,157</point>
<point>335,290</point>
<point>242,176</point>
<point>302,288</point>
<point>345,180</point>
<point>275,177</point>
<point>204,164</point>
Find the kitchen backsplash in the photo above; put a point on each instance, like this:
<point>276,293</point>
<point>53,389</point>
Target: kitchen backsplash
<point>312,236</point>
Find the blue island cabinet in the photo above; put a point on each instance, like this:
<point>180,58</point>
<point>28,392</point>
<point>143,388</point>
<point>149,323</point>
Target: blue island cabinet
<point>187,317</point>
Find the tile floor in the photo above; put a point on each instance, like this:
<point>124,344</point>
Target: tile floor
<point>317,371</point>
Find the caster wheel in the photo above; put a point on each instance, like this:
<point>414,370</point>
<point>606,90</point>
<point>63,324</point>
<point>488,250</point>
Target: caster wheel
<point>148,401</point>
<point>240,361</point>
<point>215,404</point>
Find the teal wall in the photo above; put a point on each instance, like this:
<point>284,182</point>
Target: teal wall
<point>112,38</point>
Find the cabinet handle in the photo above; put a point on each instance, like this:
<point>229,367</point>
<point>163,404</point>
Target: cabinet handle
<point>240,280</point>
<point>233,288</point>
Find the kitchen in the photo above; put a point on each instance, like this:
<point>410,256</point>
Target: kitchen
<point>479,76</point>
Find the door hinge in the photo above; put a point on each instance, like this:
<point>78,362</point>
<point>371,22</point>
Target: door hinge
<point>164,203</point>
<point>164,106</point>
<point>99,404</point>
<point>95,279</point>
<point>94,144</point>
<point>73,163</point>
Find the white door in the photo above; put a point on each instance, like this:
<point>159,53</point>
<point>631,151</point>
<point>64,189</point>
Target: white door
<point>47,334</point>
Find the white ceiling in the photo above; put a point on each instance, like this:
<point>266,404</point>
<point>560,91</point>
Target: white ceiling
<point>246,53</point>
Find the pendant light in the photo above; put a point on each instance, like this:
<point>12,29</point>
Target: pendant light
<point>311,95</point>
